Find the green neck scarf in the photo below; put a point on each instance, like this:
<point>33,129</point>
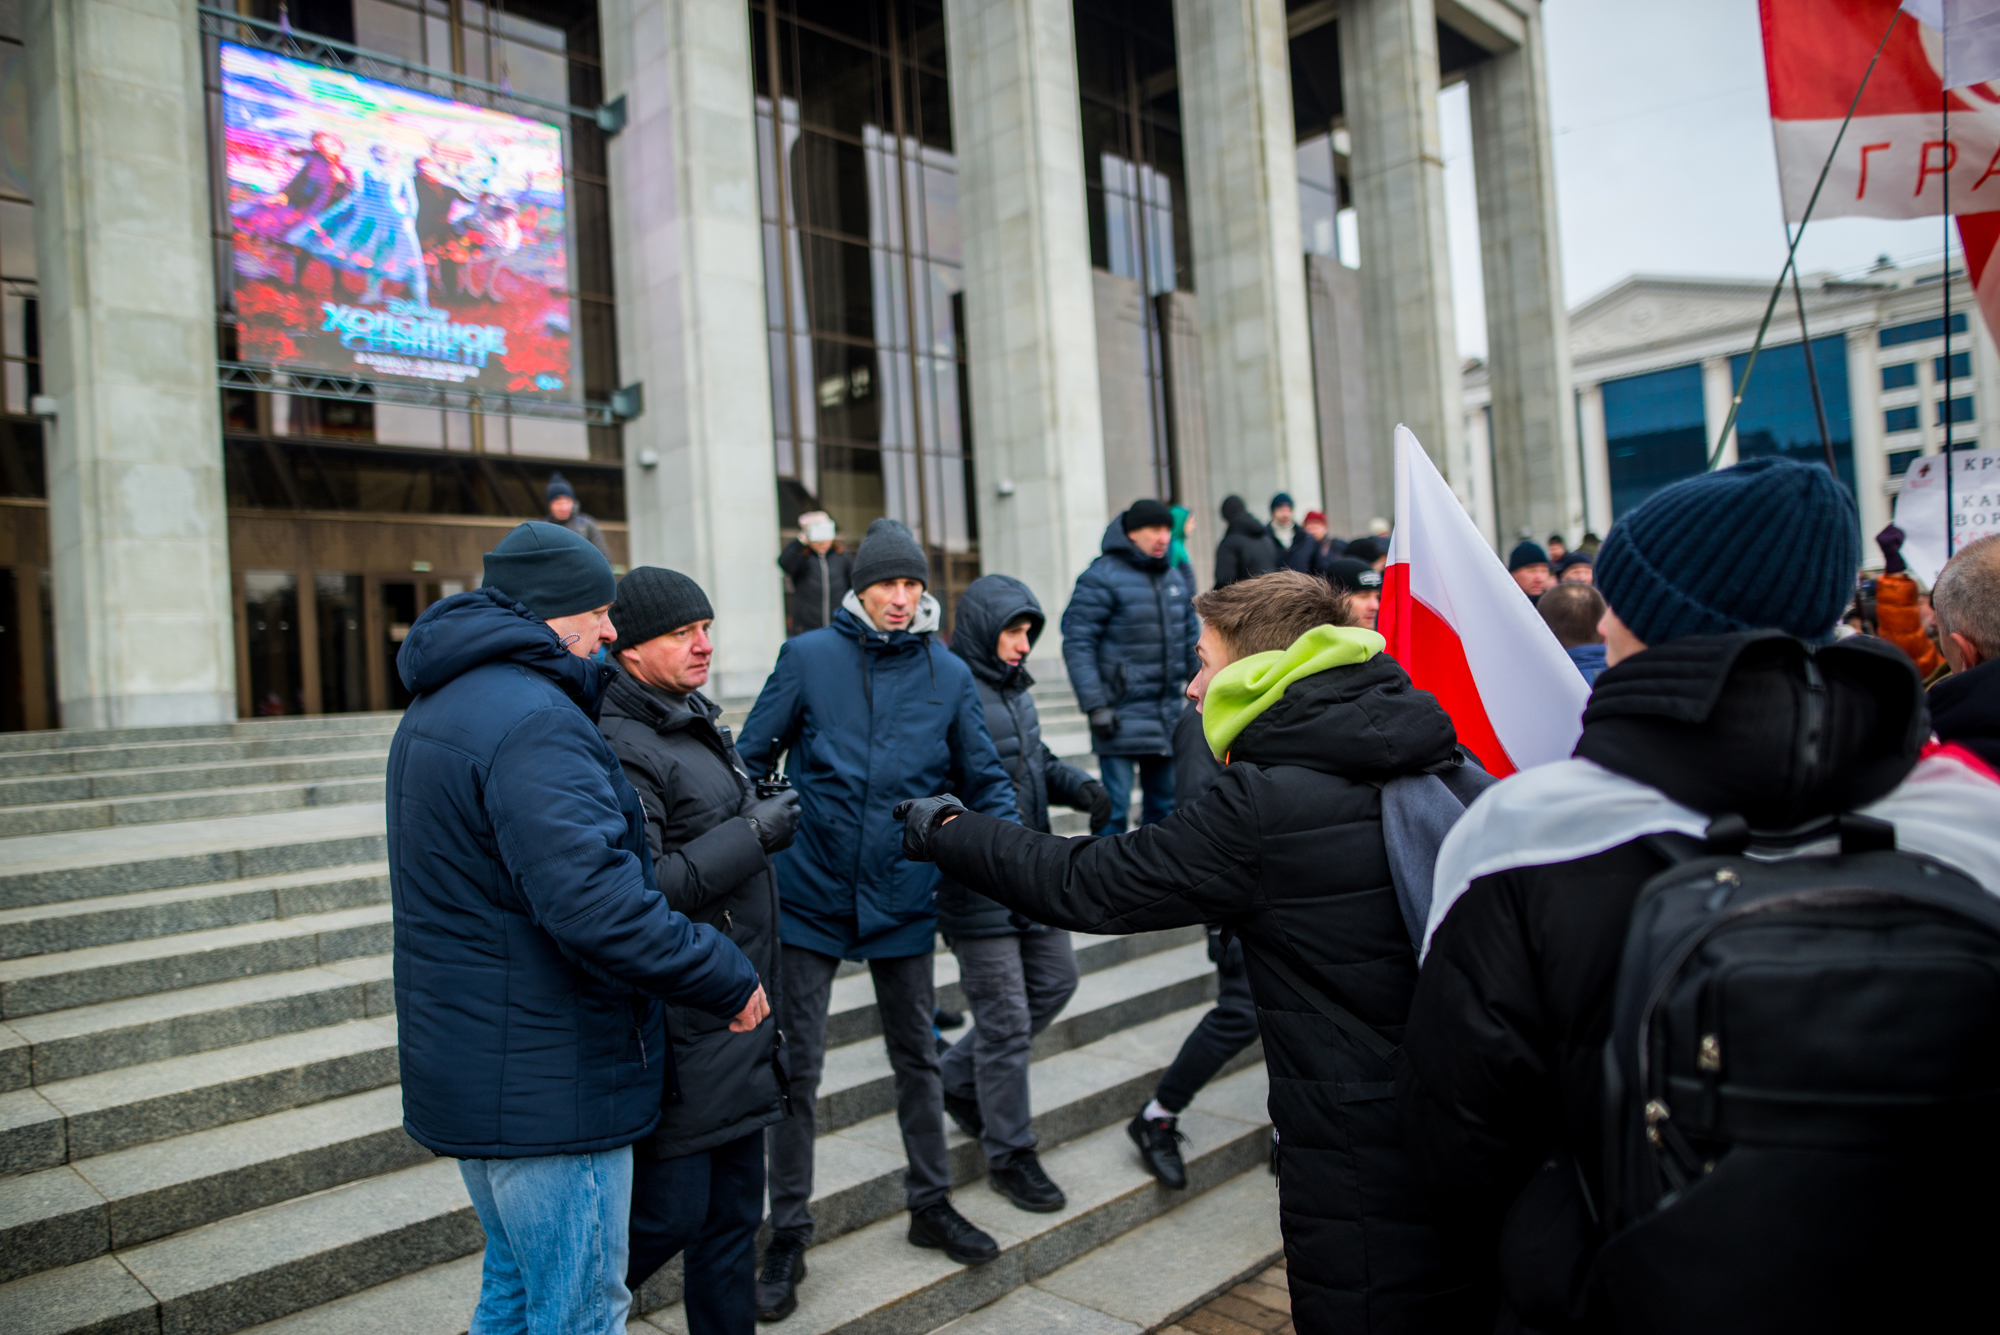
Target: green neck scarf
<point>1249,686</point>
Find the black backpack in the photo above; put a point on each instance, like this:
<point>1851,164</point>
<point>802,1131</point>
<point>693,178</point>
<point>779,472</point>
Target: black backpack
<point>1802,1088</point>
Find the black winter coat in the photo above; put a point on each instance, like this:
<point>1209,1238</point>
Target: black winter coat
<point>1504,1054</point>
<point>1965,708</point>
<point>529,929</point>
<point>818,582</point>
<point>1286,850</point>
<point>1128,641</point>
<point>988,606</point>
<point>684,766</point>
<point>1246,551</point>
<point>1195,766</point>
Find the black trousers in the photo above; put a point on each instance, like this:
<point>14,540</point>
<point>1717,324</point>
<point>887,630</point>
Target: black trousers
<point>707,1205</point>
<point>1222,1033</point>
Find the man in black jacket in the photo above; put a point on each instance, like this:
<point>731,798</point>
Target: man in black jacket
<point>817,570</point>
<point>1017,974</point>
<point>1965,706</point>
<point>1285,851</point>
<point>698,1180</point>
<point>1247,549</point>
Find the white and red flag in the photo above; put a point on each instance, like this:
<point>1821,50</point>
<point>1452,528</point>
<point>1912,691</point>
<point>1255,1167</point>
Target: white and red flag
<point>1464,631</point>
<point>1894,160</point>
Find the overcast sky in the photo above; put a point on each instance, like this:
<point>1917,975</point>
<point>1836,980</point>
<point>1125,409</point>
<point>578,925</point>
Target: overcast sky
<point>1664,161</point>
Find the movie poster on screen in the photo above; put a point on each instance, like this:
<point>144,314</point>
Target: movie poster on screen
<point>389,234</point>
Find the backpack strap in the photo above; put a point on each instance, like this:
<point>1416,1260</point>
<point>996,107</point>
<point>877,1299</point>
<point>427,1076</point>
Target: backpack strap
<point>1365,1034</point>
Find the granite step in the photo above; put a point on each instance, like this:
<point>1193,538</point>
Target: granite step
<point>57,868</point>
<point>194,804</point>
<point>82,924</point>
<point>155,755</point>
<point>104,784</point>
<point>59,739</point>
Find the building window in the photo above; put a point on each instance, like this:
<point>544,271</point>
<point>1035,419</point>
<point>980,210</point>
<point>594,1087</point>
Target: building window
<point>1319,197</point>
<point>1917,332</point>
<point>1900,419</point>
<point>1655,433</point>
<point>1900,376</point>
<point>863,277</point>
<point>1900,461</point>
<point>20,324</point>
<point>1961,367</point>
<point>1961,410</point>
<point>1778,416</point>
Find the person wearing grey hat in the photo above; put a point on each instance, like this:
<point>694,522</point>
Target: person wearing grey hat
<point>563,509</point>
<point>535,953</point>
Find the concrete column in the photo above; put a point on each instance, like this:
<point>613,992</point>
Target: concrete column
<point>1718,387</point>
<point>1537,478</point>
<point>1243,210</point>
<point>1596,459</point>
<point>1347,464</point>
<point>1031,331</point>
<point>1871,462</point>
<point>690,273</point>
<point>1389,82</point>
<point>138,536</point>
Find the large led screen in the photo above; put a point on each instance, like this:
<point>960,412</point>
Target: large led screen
<point>393,235</point>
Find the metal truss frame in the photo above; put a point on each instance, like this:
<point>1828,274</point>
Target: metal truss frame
<point>325,385</point>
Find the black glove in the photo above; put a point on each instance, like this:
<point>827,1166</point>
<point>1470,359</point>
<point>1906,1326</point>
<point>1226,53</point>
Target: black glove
<point>774,819</point>
<point>921,817</point>
<point>1093,798</point>
<point>1104,722</point>
<point>1890,540</point>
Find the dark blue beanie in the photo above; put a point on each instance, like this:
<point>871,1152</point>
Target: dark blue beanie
<point>1767,545</point>
<point>551,571</point>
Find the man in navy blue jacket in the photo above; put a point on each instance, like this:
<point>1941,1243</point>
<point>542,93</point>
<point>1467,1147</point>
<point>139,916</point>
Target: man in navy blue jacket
<point>533,948</point>
<point>870,712</point>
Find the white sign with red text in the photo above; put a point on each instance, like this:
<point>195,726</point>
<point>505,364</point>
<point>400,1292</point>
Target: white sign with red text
<point>1975,506</point>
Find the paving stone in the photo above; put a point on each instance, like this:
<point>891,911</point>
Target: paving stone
<point>49,1219</point>
<point>99,1297</point>
<point>32,1133</point>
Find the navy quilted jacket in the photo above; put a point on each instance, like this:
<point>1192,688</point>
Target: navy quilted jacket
<point>1128,641</point>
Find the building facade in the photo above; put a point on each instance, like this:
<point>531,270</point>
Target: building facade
<point>992,267</point>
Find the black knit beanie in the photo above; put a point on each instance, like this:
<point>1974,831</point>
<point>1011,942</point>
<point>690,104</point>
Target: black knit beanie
<point>653,601</point>
<point>559,486</point>
<point>889,551</point>
<point>1676,566</point>
<point>1146,514</point>
<point>1525,555</point>
<point>552,571</point>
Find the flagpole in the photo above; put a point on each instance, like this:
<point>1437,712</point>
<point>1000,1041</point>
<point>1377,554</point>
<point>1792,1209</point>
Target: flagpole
<point>1812,372</point>
<point>1791,253</point>
<point>1944,115</point>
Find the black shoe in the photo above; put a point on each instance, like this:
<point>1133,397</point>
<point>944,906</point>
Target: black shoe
<point>966,1113</point>
<point>778,1286</point>
<point>1159,1140</point>
<point>945,1019</point>
<point>945,1229</point>
<point>1022,1181</point>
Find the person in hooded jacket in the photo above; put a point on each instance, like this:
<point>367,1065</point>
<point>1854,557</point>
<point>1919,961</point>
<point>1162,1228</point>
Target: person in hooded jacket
<point>1128,642</point>
<point>1722,697</point>
<point>533,945</point>
<point>1965,706</point>
<point>817,570</point>
<point>564,510</point>
<point>1247,549</point>
<point>699,1178</point>
<point>1016,973</point>
<point>1286,852</point>
<point>867,710</point>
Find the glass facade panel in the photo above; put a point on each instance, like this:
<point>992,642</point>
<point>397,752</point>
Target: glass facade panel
<point>1961,411</point>
<point>1960,369</point>
<point>1900,461</point>
<point>21,462</point>
<point>271,626</point>
<point>1900,377</point>
<point>1900,419</point>
<point>343,664</point>
<point>1655,433</point>
<point>1319,197</point>
<point>1918,331</point>
<point>1777,416</point>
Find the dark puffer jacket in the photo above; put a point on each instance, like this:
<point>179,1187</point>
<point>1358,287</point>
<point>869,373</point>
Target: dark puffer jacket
<point>529,930</point>
<point>1247,549</point>
<point>1286,850</point>
<point>1504,1055</point>
<point>988,606</point>
<point>819,581</point>
<point>869,718</point>
<point>1965,708</point>
<point>710,866</point>
<point>1128,641</point>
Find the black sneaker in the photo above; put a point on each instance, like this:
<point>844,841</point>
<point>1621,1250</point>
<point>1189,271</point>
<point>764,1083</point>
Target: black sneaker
<point>1022,1181</point>
<point>778,1286</point>
<point>945,1229</point>
<point>966,1113</point>
<point>944,1019</point>
<point>1159,1140</point>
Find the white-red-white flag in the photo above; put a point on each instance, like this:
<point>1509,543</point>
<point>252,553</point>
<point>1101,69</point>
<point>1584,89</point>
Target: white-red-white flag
<point>1464,631</point>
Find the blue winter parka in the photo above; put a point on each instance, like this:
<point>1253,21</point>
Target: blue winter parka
<point>869,718</point>
<point>1128,642</point>
<point>533,948</point>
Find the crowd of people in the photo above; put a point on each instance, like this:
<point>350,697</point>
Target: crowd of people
<point>1694,1031</point>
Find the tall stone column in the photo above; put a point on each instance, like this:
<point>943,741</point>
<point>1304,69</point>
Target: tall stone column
<point>1596,450</point>
<point>688,248</point>
<point>1718,391</point>
<point>1538,482</point>
<point>1250,288</point>
<point>138,534</point>
<point>1031,331</point>
<point>1389,83</point>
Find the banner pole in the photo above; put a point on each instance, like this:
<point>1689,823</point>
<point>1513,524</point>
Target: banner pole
<point>1791,253</point>
<point>1812,372</point>
<point>1944,115</point>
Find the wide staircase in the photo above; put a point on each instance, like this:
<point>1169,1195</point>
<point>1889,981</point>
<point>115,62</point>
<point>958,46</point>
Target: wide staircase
<point>200,1125</point>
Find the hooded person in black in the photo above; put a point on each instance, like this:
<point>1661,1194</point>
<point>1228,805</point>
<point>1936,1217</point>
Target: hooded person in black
<point>1286,851</point>
<point>1247,549</point>
<point>1017,974</point>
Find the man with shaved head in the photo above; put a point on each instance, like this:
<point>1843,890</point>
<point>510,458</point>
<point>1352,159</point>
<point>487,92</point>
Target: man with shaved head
<point>1965,706</point>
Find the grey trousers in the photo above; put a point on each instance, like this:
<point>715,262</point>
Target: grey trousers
<point>906,995</point>
<point>1015,984</point>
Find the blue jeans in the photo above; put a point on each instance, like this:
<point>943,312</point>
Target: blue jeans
<point>555,1243</point>
<point>1156,778</point>
<point>707,1205</point>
